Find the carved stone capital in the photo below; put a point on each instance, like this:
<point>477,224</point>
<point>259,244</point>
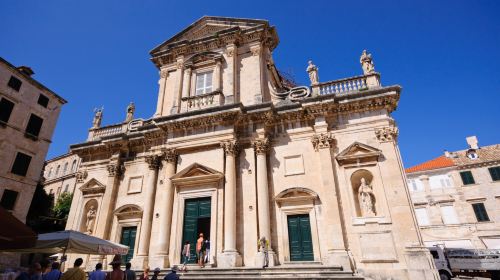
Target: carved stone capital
<point>255,50</point>
<point>153,161</point>
<point>261,146</point>
<point>81,176</point>
<point>322,141</point>
<point>230,147</point>
<point>230,50</point>
<point>387,134</point>
<point>170,155</point>
<point>163,74</point>
<point>115,169</point>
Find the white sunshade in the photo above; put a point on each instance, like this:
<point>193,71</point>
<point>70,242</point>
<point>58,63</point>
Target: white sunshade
<point>70,241</point>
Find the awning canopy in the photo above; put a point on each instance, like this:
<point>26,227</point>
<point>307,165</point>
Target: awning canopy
<point>70,241</point>
<point>14,234</point>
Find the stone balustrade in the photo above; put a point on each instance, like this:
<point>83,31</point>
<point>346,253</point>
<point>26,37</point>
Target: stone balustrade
<point>202,101</point>
<point>357,83</point>
<point>97,133</point>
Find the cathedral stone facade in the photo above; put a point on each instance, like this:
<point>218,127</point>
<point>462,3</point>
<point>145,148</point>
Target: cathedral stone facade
<point>237,153</point>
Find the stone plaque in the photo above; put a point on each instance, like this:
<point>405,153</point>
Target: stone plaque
<point>294,165</point>
<point>377,246</point>
<point>135,184</point>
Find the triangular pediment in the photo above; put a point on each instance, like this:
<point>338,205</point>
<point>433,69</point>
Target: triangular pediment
<point>93,186</point>
<point>196,170</point>
<point>208,26</point>
<point>357,152</point>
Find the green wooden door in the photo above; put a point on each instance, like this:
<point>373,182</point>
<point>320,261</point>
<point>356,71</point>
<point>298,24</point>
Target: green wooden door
<point>299,236</point>
<point>128,238</point>
<point>194,209</point>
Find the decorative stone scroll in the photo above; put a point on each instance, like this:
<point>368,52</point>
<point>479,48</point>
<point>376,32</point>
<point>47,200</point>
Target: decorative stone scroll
<point>115,169</point>
<point>230,147</point>
<point>322,141</point>
<point>81,176</point>
<point>170,155</point>
<point>261,146</point>
<point>387,134</point>
<point>153,161</point>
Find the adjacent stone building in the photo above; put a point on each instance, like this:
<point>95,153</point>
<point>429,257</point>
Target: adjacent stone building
<point>457,197</point>
<point>60,174</point>
<point>28,116</point>
<point>235,154</point>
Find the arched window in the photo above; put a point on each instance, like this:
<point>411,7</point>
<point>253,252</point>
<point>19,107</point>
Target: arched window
<point>65,170</point>
<point>73,166</point>
<point>57,170</point>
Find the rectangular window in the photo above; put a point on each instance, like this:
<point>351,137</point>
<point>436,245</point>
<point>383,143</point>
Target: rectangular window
<point>15,83</point>
<point>203,83</point>
<point>9,199</point>
<point>21,164</point>
<point>480,212</point>
<point>495,173</point>
<point>467,177</point>
<point>449,215</point>
<point>34,125</point>
<point>422,216</point>
<point>43,100</point>
<point>6,108</point>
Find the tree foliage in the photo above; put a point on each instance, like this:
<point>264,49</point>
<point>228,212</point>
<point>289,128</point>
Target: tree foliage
<point>63,205</point>
<point>41,206</point>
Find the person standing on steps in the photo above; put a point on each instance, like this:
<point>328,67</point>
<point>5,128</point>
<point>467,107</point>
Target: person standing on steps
<point>173,274</point>
<point>186,253</point>
<point>207,251</point>
<point>156,272</point>
<point>129,274</point>
<point>264,248</point>
<point>199,251</point>
<point>116,273</point>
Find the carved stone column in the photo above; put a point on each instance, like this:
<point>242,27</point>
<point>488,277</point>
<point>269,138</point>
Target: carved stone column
<point>230,256</point>
<point>186,84</point>
<point>147,214</point>
<point>166,203</point>
<point>232,54</point>
<point>261,146</point>
<point>109,199</point>
<point>179,73</point>
<point>161,92</point>
<point>217,78</point>
<point>337,253</point>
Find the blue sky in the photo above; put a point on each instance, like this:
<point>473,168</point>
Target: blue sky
<point>445,55</point>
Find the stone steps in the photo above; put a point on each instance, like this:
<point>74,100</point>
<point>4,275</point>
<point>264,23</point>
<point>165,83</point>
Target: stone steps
<point>295,272</point>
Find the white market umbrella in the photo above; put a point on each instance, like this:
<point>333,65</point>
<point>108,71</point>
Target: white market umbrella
<point>70,241</point>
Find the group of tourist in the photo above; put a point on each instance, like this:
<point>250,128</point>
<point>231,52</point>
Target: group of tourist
<point>41,271</point>
<point>202,252</point>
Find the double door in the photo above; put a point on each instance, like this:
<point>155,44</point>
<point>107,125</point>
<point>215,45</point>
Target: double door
<point>196,220</point>
<point>299,236</point>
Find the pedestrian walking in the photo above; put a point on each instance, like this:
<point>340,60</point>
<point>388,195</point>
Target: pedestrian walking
<point>207,251</point>
<point>129,273</point>
<point>173,274</point>
<point>97,274</point>
<point>199,250</point>
<point>54,274</point>
<point>75,273</point>
<point>116,273</point>
<point>186,254</point>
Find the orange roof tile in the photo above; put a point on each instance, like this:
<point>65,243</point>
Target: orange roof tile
<point>439,162</point>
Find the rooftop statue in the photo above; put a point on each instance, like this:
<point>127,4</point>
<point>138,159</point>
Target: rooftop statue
<point>130,112</point>
<point>96,123</point>
<point>312,70</point>
<point>367,63</point>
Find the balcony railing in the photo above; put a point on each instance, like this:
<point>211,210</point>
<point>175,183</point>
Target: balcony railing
<point>97,133</point>
<point>358,83</point>
<point>202,101</point>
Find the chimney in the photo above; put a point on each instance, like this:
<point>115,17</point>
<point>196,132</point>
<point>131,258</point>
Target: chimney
<point>26,70</point>
<point>472,141</point>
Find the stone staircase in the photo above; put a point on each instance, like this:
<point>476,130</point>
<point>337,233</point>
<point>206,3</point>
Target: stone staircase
<point>285,272</point>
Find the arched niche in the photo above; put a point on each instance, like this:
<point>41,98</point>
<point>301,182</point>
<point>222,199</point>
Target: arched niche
<point>367,190</point>
<point>87,224</point>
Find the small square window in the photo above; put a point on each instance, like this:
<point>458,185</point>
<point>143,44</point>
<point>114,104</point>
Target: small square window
<point>34,125</point>
<point>43,100</point>
<point>15,83</point>
<point>480,211</point>
<point>495,173</point>
<point>9,198</point>
<point>21,164</point>
<point>6,108</point>
<point>467,177</point>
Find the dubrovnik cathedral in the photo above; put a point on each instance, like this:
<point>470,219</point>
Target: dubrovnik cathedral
<point>239,153</point>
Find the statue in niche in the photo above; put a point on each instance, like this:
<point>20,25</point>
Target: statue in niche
<point>130,112</point>
<point>367,63</point>
<point>90,219</point>
<point>96,123</point>
<point>366,199</point>
<point>312,70</point>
